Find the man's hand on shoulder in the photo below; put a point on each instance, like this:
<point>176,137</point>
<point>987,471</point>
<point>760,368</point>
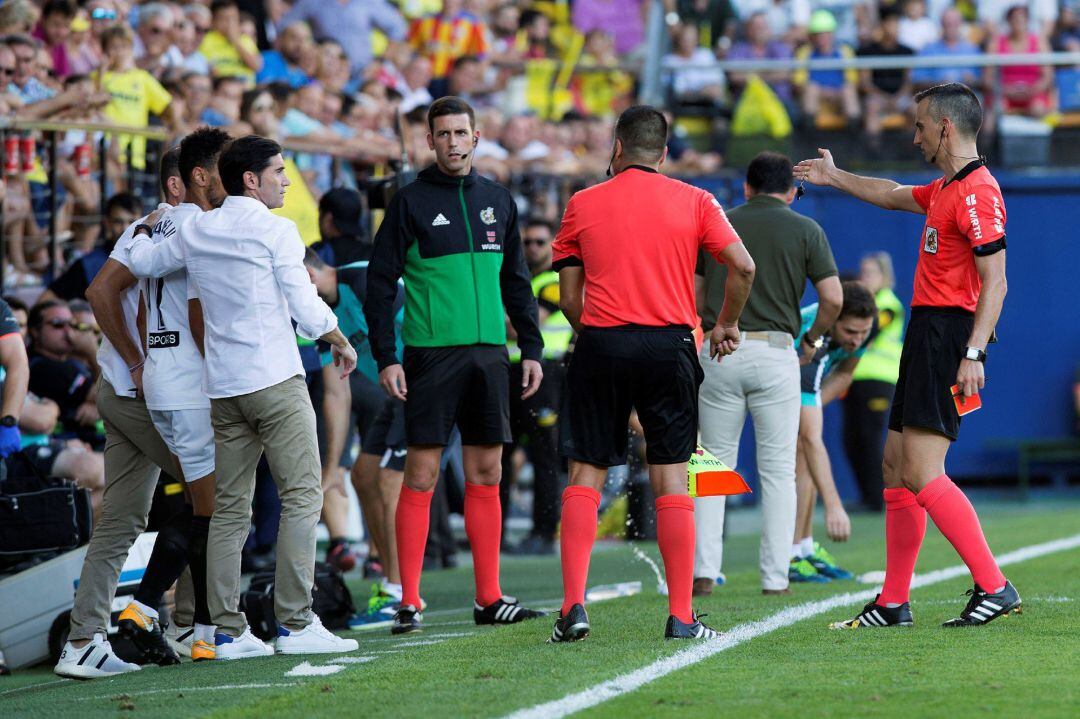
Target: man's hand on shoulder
<point>392,379</point>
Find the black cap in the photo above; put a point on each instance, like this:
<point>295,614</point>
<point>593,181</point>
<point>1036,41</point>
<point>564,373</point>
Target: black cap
<point>345,208</point>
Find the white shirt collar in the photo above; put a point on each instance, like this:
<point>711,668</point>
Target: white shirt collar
<point>244,201</point>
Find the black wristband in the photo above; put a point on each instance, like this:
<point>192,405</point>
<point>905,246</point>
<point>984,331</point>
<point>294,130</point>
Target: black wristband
<point>148,228</point>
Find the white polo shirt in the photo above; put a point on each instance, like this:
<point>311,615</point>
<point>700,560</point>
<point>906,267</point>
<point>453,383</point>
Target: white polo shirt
<point>247,267</point>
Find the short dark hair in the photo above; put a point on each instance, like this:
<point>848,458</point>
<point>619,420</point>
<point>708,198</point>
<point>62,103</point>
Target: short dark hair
<point>858,302</point>
<point>16,304</point>
<point>223,5</point>
<point>540,222</point>
<point>201,149</point>
<point>770,173</point>
<point>466,60</point>
<point>35,317</point>
<point>956,101</point>
<point>248,154</point>
<point>170,167</point>
<point>58,7</point>
<point>124,201</point>
<point>225,79</point>
<point>79,305</point>
<point>449,105</point>
<point>642,130</point>
<point>889,12</point>
<point>312,260</point>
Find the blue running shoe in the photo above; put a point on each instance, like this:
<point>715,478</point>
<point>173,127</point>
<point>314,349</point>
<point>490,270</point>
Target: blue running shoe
<point>825,565</point>
<point>379,613</point>
<point>800,570</point>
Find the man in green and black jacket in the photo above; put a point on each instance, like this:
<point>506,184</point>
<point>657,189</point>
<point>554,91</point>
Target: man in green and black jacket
<point>453,237</point>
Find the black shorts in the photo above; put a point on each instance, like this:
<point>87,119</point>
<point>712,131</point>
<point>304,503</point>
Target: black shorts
<point>44,456</point>
<point>652,369</point>
<point>386,436</point>
<point>467,385</point>
<point>933,347</point>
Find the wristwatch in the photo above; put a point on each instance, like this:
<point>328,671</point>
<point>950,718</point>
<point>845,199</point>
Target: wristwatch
<point>8,421</point>
<point>975,354</point>
<point>816,344</point>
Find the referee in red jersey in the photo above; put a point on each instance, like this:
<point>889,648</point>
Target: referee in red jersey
<point>626,254</point>
<point>959,290</point>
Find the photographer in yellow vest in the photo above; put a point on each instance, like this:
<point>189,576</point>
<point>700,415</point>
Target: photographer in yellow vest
<point>533,421</point>
<point>867,403</point>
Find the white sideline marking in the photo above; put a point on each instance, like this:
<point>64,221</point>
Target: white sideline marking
<point>185,690</point>
<point>742,633</point>
<point>307,669</point>
<point>352,660</point>
<point>420,643</point>
<point>29,687</point>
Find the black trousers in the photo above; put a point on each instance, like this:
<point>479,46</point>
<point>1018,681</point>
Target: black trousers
<point>866,415</point>
<point>534,426</point>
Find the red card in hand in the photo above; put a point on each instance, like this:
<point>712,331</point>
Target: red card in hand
<point>964,405</point>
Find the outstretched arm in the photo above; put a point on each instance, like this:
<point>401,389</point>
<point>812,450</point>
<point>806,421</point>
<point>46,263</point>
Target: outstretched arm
<point>883,193</point>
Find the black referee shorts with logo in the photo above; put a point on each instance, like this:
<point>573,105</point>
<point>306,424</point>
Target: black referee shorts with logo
<point>933,347</point>
<point>654,370</point>
<point>467,385</point>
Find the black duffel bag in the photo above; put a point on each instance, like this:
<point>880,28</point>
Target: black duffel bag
<point>39,514</point>
<point>331,600</point>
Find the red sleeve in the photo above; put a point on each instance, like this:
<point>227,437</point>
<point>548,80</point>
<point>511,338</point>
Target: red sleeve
<point>981,215</point>
<point>566,251</point>
<point>716,231</point>
<point>922,194</point>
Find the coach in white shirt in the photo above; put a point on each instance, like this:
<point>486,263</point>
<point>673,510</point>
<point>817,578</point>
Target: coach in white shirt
<point>246,265</point>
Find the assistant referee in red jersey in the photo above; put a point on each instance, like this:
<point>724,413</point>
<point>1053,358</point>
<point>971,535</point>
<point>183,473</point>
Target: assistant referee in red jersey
<point>626,254</point>
<point>959,290</point>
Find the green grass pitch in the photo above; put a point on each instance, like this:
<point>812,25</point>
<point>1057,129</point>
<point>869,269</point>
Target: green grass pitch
<point>1022,666</point>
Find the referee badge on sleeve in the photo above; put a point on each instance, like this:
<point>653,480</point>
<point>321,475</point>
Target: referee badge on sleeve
<point>930,242</point>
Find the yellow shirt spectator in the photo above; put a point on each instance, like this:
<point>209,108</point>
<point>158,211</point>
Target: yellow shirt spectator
<point>300,205</point>
<point>135,96</point>
<point>223,57</point>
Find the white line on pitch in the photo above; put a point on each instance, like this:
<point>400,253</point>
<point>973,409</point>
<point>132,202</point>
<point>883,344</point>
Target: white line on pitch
<point>30,687</point>
<point>613,688</point>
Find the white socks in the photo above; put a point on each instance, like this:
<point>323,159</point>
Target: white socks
<point>803,548</point>
<point>204,632</point>
<point>394,590</point>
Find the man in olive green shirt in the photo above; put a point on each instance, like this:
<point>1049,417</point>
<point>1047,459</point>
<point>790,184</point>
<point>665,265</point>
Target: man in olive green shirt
<point>763,375</point>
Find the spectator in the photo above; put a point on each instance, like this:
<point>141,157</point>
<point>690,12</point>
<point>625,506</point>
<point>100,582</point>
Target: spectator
<point>18,17</point>
<point>83,53</point>
<point>103,14</point>
<point>350,22</point>
<point>916,29</point>
<point>135,93</point>
<point>1066,36</point>
<point>224,107</point>
<point>1025,88</point>
<point>56,373</point>
<point>621,18</point>
<point>188,35</point>
<point>154,49</point>
<point>283,64</point>
<point>837,87</point>
<point>694,76</point>
<point>229,53</point>
<point>54,31</point>
<point>466,33</point>
<point>341,229</point>
<point>1040,17</point>
<point>760,44</point>
<point>120,211</point>
<point>196,90</point>
<point>854,19</point>
<point>507,44</point>
<point>952,42</point>
<point>537,28</point>
<point>599,87</point>
<point>787,20</point>
<point>415,78</point>
<point>887,90</point>
<point>466,80</point>
<point>333,67</point>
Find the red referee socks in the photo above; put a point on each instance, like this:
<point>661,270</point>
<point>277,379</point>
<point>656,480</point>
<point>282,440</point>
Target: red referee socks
<point>412,518</point>
<point>956,518</point>
<point>905,527</point>
<point>675,535</point>
<point>579,508</point>
<point>483,525</point>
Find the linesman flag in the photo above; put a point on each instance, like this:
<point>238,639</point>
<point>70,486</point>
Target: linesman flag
<point>709,477</point>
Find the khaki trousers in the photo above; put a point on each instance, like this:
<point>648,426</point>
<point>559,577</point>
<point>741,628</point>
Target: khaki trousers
<point>134,452</point>
<point>763,378</point>
<point>279,421</point>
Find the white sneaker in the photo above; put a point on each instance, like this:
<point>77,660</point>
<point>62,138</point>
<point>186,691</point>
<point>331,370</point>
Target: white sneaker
<point>313,639</point>
<point>92,661</point>
<point>180,638</point>
<point>245,646</point>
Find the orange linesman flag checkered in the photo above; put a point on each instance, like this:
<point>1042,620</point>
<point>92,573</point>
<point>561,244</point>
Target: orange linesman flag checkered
<point>709,477</point>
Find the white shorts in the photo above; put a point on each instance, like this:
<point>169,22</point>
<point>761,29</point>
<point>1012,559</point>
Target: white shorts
<point>189,435</point>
